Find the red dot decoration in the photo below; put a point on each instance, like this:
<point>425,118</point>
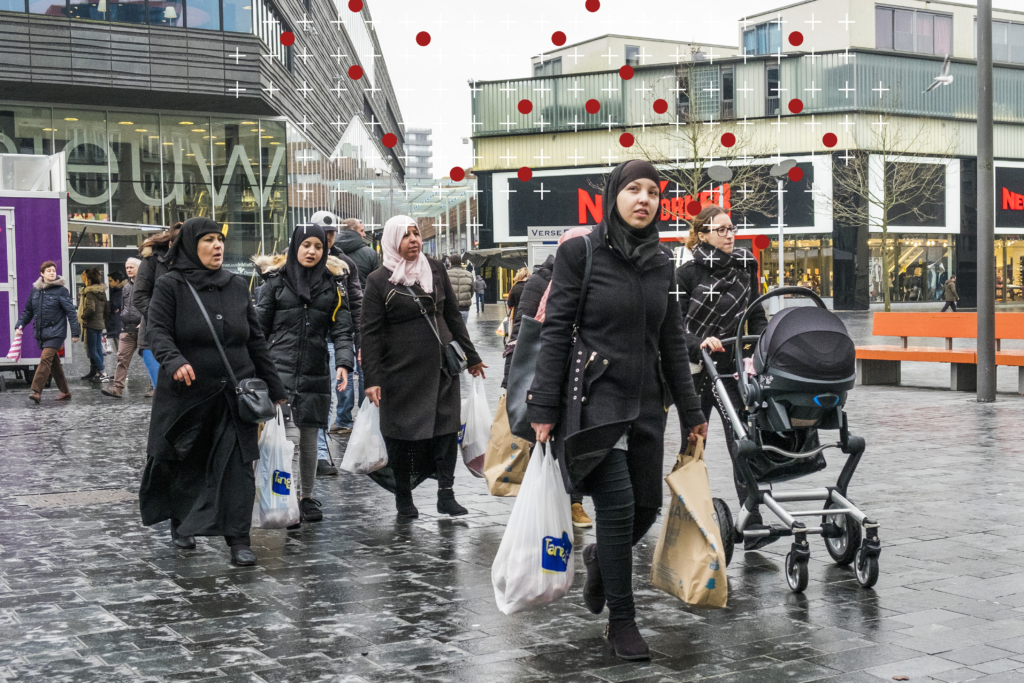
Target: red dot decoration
<point>796,106</point>
<point>457,174</point>
<point>626,72</point>
<point>693,207</point>
<point>795,174</point>
<point>626,139</point>
<point>593,106</point>
<point>558,38</point>
<point>525,106</point>
<point>390,140</point>
<point>355,72</point>
<point>593,5</point>
<point>423,39</point>
<point>287,38</point>
<point>525,174</point>
<point>728,140</point>
<point>660,106</point>
<point>829,140</point>
<point>796,38</point>
<point>355,5</point>
<point>762,242</point>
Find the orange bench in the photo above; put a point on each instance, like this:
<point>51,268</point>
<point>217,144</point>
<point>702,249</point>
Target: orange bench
<point>880,364</point>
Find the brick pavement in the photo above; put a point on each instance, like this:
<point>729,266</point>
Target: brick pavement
<point>88,594</point>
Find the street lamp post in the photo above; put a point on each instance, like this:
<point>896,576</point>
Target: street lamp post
<point>986,212</point>
<point>779,171</point>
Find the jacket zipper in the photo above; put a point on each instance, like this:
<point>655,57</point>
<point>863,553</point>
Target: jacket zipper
<point>302,345</point>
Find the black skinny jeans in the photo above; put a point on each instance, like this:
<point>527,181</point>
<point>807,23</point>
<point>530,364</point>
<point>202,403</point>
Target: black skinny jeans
<point>707,402</point>
<point>620,526</point>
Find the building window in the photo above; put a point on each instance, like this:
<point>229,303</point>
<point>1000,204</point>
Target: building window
<point>632,55</point>
<point>907,30</point>
<point>728,92</point>
<point>763,39</point>
<point>268,26</point>
<point>203,14</point>
<point>1007,41</point>
<point>684,95</point>
<point>771,106</point>
<point>238,16</point>
<point>551,67</point>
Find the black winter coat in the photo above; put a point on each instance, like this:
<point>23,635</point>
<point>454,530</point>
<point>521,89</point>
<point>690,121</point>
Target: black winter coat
<point>51,306</point>
<point>402,356</point>
<point>694,277</point>
<point>630,346</point>
<point>178,334</point>
<point>364,257</point>
<point>352,286</point>
<point>150,270</point>
<point>114,319</point>
<point>297,336</point>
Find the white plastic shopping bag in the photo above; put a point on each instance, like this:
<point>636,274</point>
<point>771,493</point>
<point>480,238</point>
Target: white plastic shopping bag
<point>476,427</point>
<point>277,501</point>
<point>366,451</point>
<point>534,564</point>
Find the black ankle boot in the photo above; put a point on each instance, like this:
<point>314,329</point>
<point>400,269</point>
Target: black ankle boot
<point>183,542</point>
<point>447,505</point>
<point>593,589</point>
<point>403,501</point>
<point>626,641</point>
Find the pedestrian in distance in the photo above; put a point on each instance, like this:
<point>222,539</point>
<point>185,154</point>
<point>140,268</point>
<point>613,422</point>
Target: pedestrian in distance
<point>462,284</point>
<point>50,307</point>
<point>199,467</point>
<point>351,241</point>
<point>949,295</point>
<point>479,289</point>
<point>128,321</point>
<point>410,313</point>
<point>630,357</point>
<point>153,267</point>
<point>513,304</point>
<point>115,283</point>
<point>93,309</point>
<point>301,306</point>
<point>714,289</point>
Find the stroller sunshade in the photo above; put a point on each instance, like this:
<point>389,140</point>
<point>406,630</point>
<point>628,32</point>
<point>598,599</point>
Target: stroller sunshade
<point>807,342</point>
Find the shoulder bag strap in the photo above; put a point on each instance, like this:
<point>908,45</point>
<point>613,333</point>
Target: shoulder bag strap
<point>216,339</point>
<point>585,285</point>
<point>425,315</point>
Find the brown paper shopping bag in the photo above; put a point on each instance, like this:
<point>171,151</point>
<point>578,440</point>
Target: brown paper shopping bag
<point>506,456</point>
<point>689,561</point>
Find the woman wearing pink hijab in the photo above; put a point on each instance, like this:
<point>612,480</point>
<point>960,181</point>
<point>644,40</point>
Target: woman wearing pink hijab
<point>402,359</point>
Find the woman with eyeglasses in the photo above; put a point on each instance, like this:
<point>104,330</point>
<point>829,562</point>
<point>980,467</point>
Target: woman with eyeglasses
<point>715,288</point>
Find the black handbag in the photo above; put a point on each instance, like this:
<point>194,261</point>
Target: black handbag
<point>455,360</point>
<point>254,404</point>
<point>524,360</point>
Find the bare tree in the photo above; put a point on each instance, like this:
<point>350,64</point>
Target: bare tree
<point>905,190</point>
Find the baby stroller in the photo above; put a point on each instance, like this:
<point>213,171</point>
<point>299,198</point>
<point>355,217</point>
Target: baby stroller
<point>805,364</point>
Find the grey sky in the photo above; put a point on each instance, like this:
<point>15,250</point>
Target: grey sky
<point>489,40</point>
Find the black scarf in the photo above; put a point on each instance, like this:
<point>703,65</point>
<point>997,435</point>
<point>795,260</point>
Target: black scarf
<point>302,279</point>
<point>715,310</point>
<point>639,247</point>
<point>183,255</point>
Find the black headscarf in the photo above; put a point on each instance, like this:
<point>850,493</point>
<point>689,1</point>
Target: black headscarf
<point>302,279</point>
<point>640,247</point>
<point>183,254</point>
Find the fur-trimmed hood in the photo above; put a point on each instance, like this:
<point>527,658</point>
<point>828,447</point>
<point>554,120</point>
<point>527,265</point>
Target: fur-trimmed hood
<point>41,284</point>
<point>94,289</point>
<point>272,263</point>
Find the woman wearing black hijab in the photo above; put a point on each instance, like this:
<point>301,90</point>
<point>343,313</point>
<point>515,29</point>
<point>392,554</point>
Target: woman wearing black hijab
<point>602,397</point>
<point>301,305</point>
<point>199,471</point>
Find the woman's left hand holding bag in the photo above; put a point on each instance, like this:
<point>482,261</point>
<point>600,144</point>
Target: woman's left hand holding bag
<point>477,370</point>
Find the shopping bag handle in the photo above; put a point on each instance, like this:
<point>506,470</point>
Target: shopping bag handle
<point>691,453</point>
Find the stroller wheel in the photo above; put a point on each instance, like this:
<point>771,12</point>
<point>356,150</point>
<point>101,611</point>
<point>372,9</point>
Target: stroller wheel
<point>796,572</point>
<point>866,569</point>
<point>842,548</point>
<point>726,528</point>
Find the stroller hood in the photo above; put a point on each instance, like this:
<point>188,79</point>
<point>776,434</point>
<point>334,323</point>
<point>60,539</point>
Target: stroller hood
<point>806,343</point>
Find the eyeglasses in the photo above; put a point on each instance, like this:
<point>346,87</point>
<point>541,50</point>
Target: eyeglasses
<point>722,231</point>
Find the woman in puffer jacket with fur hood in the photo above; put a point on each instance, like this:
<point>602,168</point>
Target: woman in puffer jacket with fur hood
<point>300,305</point>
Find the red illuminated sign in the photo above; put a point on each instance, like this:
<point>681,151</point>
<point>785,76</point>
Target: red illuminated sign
<point>670,206</point>
<point>1011,201</point>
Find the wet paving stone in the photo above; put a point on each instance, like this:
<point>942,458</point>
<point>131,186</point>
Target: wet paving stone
<point>88,594</point>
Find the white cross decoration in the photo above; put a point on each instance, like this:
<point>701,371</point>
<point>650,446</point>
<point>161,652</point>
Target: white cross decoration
<point>846,157</point>
<point>745,191</point>
<point>575,55</point>
<point>879,90</point>
<point>846,56</point>
<point>744,89</point>
<point>744,123</point>
<point>812,22</point>
<point>337,90</point>
<point>711,288</point>
<point>506,192</point>
<point>575,89</point>
<point>610,90</point>
<point>812,123</point>
<point>271,22</point>
<point>847,22</point>
<point>542,156</point>
<point>304,89</point>
<point>508,123</point>
<point>542,123</point>
<point>745,257</point>
<point>304,55</point>
<point>542,191</point>
<point>372,191</point>
<point>879,122</point>
<point>847,90</point>
<point>610,123</point>
<point>779,122</point>
<point>507,89</point>
<point>678,292</point>
<point>339,124</point>
<point>643,123</point>
<point>812,56</point>
<point>508,157</point>
<point>338,56</point>
<point>643,56</point>
<point>846,123</point>
<point>812,90</point>
<point>576,123</point>
<point>304,123</point>
<point>473,89</point>
<point>236,90</point>
<point>271,89</point>
<point>609,156</point>
<point>475,123</point>
<point>340,21</point>
<point>643,89</point>
<point>305,21</point>
<point>237,56</point>
<point>304,191</point>
<point>575,157</point>
<point>305,156</point>
<point>677,55</point>
<point>745,223</point>
<point>609,55</point>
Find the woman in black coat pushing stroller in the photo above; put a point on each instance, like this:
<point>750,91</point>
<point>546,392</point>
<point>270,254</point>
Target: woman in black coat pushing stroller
<point>715,288</point>
<point>603,394</point>
<point>300,306</point>
<point>199,471</point>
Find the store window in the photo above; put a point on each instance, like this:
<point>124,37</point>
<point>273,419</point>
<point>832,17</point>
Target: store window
<point>134,144</point>
<point>26,130</point>
<point>807,262</point>
<point>185,145</point>
<point>918,266</point>
<point>82,136</point>
<point>907,30</point>
<point>1009,267</point>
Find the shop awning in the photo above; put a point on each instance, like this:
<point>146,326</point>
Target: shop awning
<point>513,258</point>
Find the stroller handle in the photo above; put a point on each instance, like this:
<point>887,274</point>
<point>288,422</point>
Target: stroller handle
<point>744,384</point>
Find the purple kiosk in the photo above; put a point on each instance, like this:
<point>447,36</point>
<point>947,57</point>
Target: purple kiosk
<point>33,229</point>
